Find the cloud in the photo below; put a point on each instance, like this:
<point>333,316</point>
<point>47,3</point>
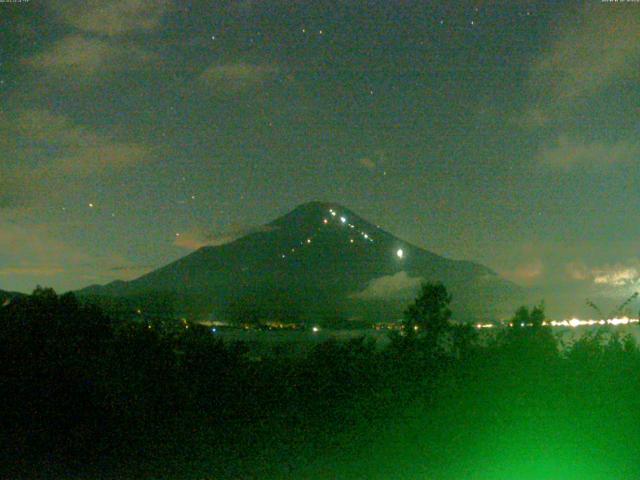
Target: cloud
<point>367,163</point>
<point>73,54</point>
<point>199,238</point>
<point>232,77</point>
<point>32,271</point>
<point>578,271</point>
<point>535,116</point>
<point>31,250</point>
<point>568,152</point>
<point>100,158</point>
<point>613,275</point>
<point>46,151</point>
<point>191,240</point>
<point>30,253</point>
<point>389,286</point>
<point>594,50</point>
<point>113,17</point>
<point>77,150</point>
<point>84,58</point>
<point>525,274</point>
<point>72,149</point>
<point>86,53</point>
<point>131,271</point>
<point>616,276</point>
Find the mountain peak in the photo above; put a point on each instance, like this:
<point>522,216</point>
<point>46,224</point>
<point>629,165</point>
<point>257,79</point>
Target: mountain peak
<point>317,205</point>
<point>312,212</point>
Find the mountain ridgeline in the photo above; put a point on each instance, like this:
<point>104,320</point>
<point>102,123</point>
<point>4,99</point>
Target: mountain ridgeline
<point>319,263</point>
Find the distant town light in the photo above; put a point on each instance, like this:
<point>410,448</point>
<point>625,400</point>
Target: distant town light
<point>484,325</point>
<point>315,329</point>
<point>400,253</point>
<point>343,220</point>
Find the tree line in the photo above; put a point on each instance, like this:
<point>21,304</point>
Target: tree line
<point>87,394</point>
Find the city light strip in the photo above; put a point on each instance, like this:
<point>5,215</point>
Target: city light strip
<point>576,322</point>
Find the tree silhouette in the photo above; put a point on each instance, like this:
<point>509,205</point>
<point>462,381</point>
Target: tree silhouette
<point>525,318</point>
<point>528,336</point>
<point>429,314</point>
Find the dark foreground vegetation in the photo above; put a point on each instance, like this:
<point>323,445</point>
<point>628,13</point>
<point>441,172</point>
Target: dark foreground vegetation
<point>88,396</point>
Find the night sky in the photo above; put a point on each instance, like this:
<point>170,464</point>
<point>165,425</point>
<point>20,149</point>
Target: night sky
<point>506,133</point>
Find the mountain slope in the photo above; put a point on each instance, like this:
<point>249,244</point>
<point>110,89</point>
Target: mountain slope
<point>321,260</point>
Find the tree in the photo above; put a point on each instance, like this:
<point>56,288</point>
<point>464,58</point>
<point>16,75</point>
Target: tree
<point>464,338</point>
<point>529,336</point>
<point>429,314</point>
<point>525,318</point>
<point>537,315</point>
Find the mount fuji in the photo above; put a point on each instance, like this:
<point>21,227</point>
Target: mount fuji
<point>320,262</point>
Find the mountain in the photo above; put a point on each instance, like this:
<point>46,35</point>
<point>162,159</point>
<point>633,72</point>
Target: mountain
<point>319,262</point>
